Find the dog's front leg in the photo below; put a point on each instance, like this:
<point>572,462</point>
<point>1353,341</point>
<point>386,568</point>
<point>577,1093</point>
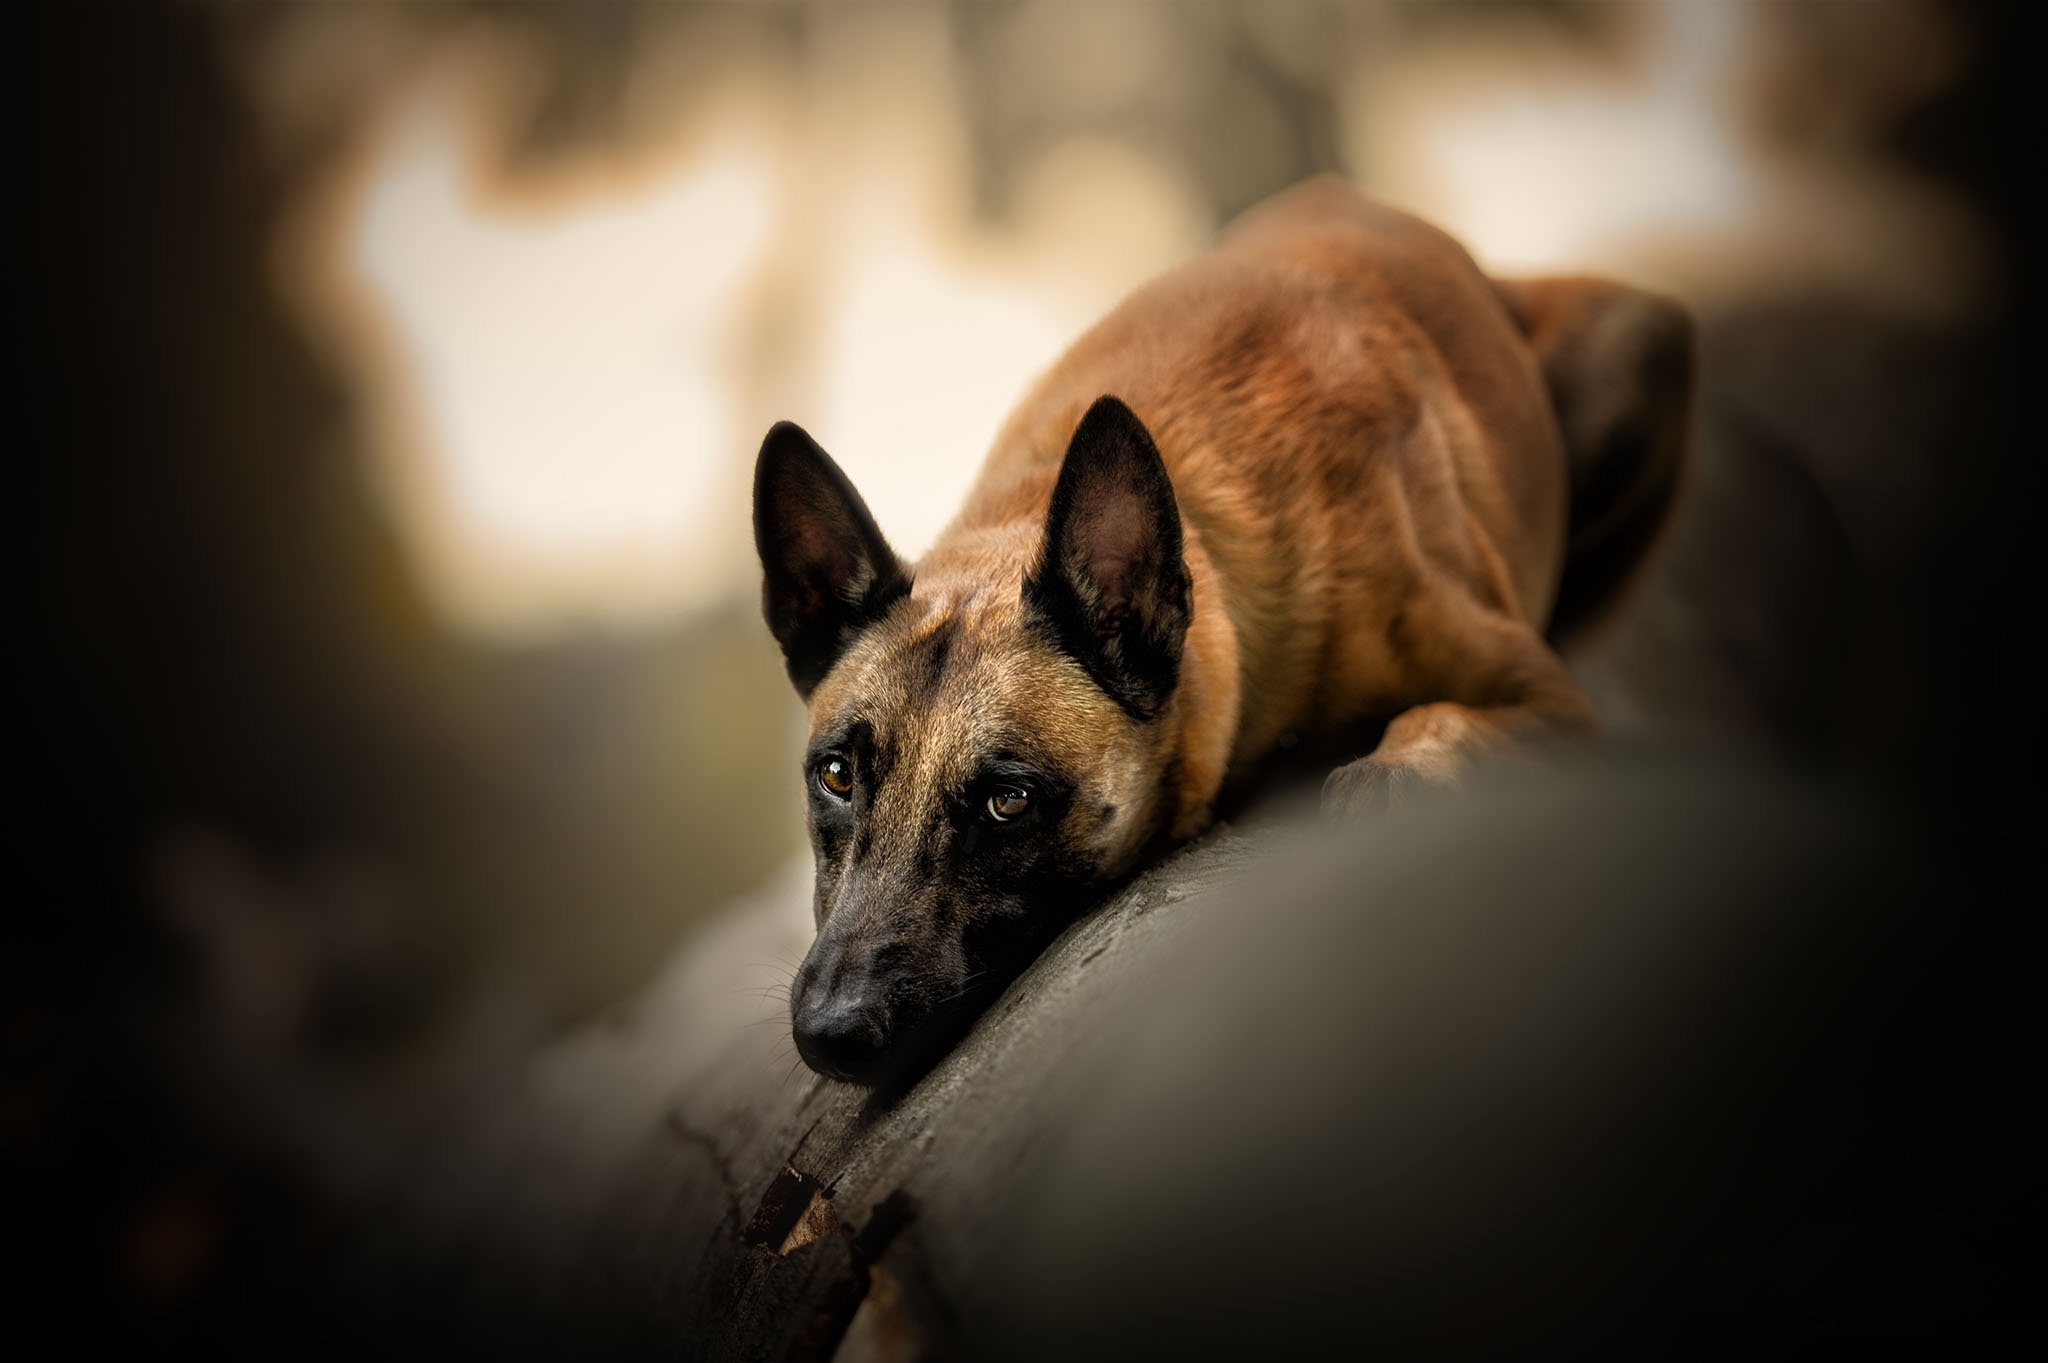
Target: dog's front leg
<point>1428,746</point>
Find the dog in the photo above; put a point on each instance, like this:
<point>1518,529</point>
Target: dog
<point>1328,474</point>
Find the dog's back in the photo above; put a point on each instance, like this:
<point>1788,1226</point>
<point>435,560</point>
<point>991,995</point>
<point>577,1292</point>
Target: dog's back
<point>1364,438</point>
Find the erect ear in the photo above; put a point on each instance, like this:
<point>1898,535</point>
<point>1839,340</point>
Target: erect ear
<point>1110,586</point>
<point>828,573</point>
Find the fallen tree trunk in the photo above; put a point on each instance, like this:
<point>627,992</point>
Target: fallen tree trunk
<point>1621,1052</point>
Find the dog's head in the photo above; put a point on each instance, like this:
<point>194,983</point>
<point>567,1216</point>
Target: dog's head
<point>989,738</point>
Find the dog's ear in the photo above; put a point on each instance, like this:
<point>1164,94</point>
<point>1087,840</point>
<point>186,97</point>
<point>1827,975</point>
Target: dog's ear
<point>1110,586</point>
<point>827,572</point>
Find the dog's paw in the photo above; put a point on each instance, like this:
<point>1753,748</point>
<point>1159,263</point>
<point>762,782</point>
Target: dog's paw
<point>1370,786</point>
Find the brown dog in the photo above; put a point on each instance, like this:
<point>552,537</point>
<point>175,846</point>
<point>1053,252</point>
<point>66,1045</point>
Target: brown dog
<point>1326,475</point>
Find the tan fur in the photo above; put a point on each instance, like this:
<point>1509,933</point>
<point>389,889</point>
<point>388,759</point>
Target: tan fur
<point>1372,488</point>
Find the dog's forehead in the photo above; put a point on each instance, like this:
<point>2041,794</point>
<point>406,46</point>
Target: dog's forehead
<point>951,678</point>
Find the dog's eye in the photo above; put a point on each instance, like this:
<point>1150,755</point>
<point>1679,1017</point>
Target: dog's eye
<point>1008,802</point>
<point>835,777</point>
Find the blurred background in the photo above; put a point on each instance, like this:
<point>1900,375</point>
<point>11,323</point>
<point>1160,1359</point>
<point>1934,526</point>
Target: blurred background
<point>391,688</point>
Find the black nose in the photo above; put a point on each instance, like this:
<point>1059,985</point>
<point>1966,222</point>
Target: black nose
<point>840,1035</point>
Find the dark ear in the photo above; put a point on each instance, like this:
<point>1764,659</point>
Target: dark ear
<point>1110,586</point>
<point>828,573</point>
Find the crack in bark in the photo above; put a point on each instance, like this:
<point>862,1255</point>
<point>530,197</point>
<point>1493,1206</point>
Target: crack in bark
<point>834,1313</point>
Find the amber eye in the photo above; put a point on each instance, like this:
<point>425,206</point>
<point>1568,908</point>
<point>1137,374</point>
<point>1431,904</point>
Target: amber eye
<point>835,775</point>
<point>1007,803</point>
